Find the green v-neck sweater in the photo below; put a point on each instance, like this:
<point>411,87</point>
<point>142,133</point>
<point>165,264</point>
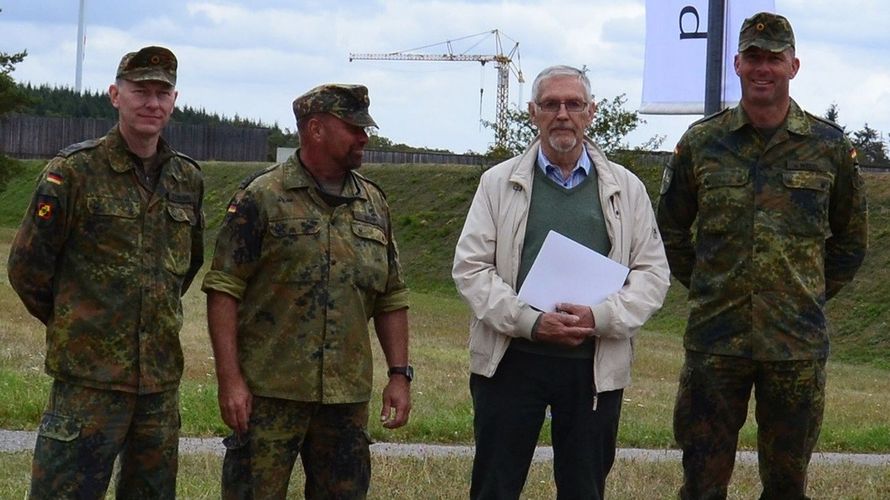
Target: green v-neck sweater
<point>576,214</point>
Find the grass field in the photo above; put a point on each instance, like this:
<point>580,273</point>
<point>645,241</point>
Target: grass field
<point>429,206</point>
<point>448,479</point>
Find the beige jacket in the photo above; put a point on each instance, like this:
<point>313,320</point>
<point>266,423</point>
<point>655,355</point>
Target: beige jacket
<point>486,262</point>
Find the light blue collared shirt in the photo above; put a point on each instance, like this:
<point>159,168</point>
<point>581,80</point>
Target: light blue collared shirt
<point>579,173</point>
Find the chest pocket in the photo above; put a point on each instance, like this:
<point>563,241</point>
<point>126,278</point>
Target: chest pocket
<point>294,247</point>
<point>181,221</point>
<point>808,199</point>
<point>111,230</point>
<point>724,199</point>
<point>371,263</point>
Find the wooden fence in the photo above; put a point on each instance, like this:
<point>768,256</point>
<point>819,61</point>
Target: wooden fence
<point>389,157</point>
<point>375,156</point>
<point>42,137</point>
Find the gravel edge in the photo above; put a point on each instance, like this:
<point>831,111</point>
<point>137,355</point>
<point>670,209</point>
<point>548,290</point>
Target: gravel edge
<point>17,441</point>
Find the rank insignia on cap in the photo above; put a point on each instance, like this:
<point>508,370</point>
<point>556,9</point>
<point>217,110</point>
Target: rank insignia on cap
<point>54,178</point>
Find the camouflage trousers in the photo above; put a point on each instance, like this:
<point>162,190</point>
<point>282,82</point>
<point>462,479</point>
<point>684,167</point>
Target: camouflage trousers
<point>712,405</point>
<point>84,430</point>
<point>331,440</point>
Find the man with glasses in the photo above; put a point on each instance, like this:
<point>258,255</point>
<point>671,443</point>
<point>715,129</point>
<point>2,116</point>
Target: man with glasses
<point>576,359</point>
<point>112,239</point>
<point>304,259</point>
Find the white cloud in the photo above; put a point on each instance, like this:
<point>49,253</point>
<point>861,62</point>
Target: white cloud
<point>253,58</point>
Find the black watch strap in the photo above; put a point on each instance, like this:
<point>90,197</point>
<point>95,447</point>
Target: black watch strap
<point>407,371</point>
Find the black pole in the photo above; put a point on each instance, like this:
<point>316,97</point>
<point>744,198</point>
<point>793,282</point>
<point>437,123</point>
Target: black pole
<point>714,65</point>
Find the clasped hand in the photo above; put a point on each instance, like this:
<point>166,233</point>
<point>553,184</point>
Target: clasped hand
<point>570,325</point>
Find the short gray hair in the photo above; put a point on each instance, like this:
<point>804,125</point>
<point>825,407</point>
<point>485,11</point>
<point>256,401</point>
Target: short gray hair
<point>557,71</point>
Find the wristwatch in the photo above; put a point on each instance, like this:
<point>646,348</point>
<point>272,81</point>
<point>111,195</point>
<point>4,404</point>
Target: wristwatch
<point>407,371</point>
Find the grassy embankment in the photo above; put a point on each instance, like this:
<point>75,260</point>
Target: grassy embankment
<point>429,204</point>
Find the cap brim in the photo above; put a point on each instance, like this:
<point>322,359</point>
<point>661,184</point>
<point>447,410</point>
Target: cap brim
<point>149,75</point>
<point>360,119</point>
<point>766,45</point>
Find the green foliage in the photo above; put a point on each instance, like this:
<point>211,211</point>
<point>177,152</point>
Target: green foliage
<point>19,187</point>
<point>46,100</point>
<point>11,99</point>
<point>870,145</point>
<point>519,134</point>
<point>429,203</point>
<point>867,141</point>
<point>832,114</point>
<point>24,392</point>
<point>612,123</point>
<point>9,168</point>
<point>199,408</point>
<point>382,143</point>
<point>498,153</point>
<point>610,127</point>
<point>281,139</point>
<point>63,101</point>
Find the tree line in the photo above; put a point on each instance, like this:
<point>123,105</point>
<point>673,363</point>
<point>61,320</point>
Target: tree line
<point>11,98</point>
<point>869,143</point>
<point>46,100</point>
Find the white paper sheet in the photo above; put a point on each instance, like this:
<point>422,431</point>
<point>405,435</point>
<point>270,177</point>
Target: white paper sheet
<point>567,271</point>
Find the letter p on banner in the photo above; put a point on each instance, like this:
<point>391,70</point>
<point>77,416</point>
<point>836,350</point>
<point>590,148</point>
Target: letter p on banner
<point>676,53</point>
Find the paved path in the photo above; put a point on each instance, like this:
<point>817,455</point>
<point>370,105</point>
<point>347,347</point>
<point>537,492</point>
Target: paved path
<point>12,441</point>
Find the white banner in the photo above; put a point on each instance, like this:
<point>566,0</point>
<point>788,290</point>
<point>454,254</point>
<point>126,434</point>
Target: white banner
<point>676,53</point>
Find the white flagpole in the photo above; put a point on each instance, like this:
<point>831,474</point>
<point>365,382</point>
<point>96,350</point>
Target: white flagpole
<point>78,78</point>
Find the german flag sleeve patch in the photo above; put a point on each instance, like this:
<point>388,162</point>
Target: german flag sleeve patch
<point>55,178</point>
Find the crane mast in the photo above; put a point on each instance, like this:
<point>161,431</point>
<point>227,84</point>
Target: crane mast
<point>504,63</point>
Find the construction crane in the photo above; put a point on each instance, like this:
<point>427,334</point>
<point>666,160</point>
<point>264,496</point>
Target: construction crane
<point>504,62</point>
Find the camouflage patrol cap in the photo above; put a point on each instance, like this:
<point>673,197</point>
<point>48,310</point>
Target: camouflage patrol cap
<point>149,63</point>
<point>767,31</point>
<point>347,102</point>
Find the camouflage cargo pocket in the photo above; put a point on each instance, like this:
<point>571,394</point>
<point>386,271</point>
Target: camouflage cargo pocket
<point>297,246</point>
<point>809,197</point>
<point>179,240</point>
<point>112,228</point>
<point>59,427</point>
<point>372,264</point>
<point>724,201</point>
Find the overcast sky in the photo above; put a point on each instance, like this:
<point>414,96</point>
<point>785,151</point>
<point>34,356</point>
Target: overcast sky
<point>251,58</point>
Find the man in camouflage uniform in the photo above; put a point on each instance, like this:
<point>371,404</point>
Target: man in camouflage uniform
<point>304,259</point>
<point>780,218</point>
<point>112,239</point>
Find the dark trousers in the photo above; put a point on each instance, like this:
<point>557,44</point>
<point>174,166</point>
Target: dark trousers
<point>510,408</point>
<point>712,405</point>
